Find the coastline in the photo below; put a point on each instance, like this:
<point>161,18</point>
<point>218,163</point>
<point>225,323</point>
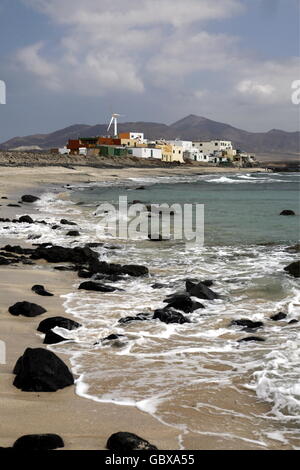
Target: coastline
<point>82,423</point>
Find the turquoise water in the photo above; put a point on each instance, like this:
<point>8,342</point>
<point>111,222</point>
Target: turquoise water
<point>240,209</point>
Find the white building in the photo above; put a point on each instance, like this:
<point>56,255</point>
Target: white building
<point>146,152</point>
<point>212,146</point>
<point>64,151</point>
<point>187,145</point>
<point>196,155</point>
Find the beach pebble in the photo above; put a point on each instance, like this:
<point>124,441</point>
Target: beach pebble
<point>40,370</point>
<point>39,442</point>
<point>40,290</point>
<point>49,323</point>
<point>127,442</point>
<point>26,309</point>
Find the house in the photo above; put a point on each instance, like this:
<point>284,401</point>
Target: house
<point>187,145</point>
<point>137,136</point>
<point>212,146</point>
<point>195,155</point>
<point>146,152</point>
<point>172,153</point>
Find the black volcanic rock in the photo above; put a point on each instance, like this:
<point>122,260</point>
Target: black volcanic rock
<point>26,309</point>
<point>279,316</point>
<point>247,323</point>
<point>29,198</point>
<point>293,269</point>
<point>67,222</point>
<point>96,286</point>
<point>26,219</point>
<point>38,442</point>
<point>53,338</point>
<point>73,233</point>
<point>251,338</point>
<point>182,302</point>
<point>287,212</point>
<point>201,291</point>
<point>40,290</point>
<point>170,316</point>
<point>127,442</point>
<point>49,323</point>
<point>40,370</point>
<point>59,254</point>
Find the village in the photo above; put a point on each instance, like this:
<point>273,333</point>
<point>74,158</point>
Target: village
<point>134,144</point>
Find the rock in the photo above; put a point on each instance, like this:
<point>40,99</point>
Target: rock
<point>140,188</point>
<point>40,370</point>
<point>18,250</point>
<point>182,302</point>
<point>53,338</point>
<point>4,220</point>
<point>59,254</point>
<point>55,227</point>
<point>26,309</point>
<point>26,219</point>
<point>66,268</point>
<point>73,233</point>
<point>40,290</point>
<point>29,198</point>
<point>293,269</point>
<point>291,322</point>
<point>201,291</point>
<point>287,212</point>
<point>5,261</point>
<point>279,316</point>
<point>251,338</point>
<point>247,323</point>
<point>138,317</point>
<point>96,286</point>
<point>49,323</point>
<point>134,270</point>
<point>94,244</point>
<point>39,442</point>
<point>4,197</point>
<point>158,285</point>
<point>113,337</point>
<point>84,273</point>
<point>294,248</point>
<point>67,222</point>
<point>127,442</point>
<point>170,316</point>
<point>13,205</point>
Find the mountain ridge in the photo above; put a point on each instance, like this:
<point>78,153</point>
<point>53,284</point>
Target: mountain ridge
<point>191,127</point>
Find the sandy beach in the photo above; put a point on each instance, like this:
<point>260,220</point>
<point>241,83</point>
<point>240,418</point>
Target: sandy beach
<point>82,423</point>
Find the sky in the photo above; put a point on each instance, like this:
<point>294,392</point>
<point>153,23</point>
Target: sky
<point>70,62</point>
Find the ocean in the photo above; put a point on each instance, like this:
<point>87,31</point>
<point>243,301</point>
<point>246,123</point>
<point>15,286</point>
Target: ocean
<point>195,377</point>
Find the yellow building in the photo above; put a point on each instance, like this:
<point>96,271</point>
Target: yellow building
<point>172,153</point>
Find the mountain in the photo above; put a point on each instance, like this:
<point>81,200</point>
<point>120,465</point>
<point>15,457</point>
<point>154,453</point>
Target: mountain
<point>191,127</point>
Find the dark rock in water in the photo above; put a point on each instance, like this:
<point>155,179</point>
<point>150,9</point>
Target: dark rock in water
<point>136,201</point>
<point>127,442</point>
<point>279,316</point>
<point>40,290</point>
<point>134,270</point>
<point>66,268</point>
<point>55,227</point>
<point>96,286</point>
<point>4,197</point>
<point>94,245</point>
<point>291,322</point>
<point>287,212</point>
<point>53,338</point>
<point>5,262</point>
<point>33,237</point>
<point>26,309</point>
<point>18,250</point>
<point>158,285</point>
<point>170,316</point>
<point>84,273</point>
<point>140,188</point>
<point>201,291</point>
<point>182,302</point>
<point>26,219</point>
<point>29,198</point>
<point>138,317</point>
<point>108,277</point>
<point>4,220</point>
<point>59,254</point>
<point>293,269</point>
<point>112,337</point>
<point>39,442</point>
<point>49,323</point>
<point>13,205</point>
<point>251,338</point>
<point>207,282</point>
<point>67,222</point>
<point>247,323</point>
<point>73,233</point>
<point>40,370</point>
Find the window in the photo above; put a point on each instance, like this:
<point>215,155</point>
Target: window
<point>216,143</point>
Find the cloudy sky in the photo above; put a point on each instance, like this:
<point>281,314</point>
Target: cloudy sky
<point>75,61</point>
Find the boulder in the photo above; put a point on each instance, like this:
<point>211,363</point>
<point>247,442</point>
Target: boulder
<point>96,286</point>
<point>134,270</point>
<point>84,274</point>
<point>49,323</point>
<point>40,370</point>
<point>247,323</point>
<point>287,212</point>
<point>40,290</point>
<point>26,219</point>
<point>29,198</point>
<point>293,269</point>
<point>26,309</point>
<point>170,316</point>
<point>39,442</point>
<point>279,316</point>
<point>53,338</point>
<point>73,233</point>
<point>251,338</point>
<point>158,285</point>
<point>294,248</point>
<point>5,262</point>
<point>182,302</point>
<point>59,254</point>
<point>138,317</point>
<point>67,222</point>
<point>291,322</point>
<point>201,291</point>
<point>127,442</point>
